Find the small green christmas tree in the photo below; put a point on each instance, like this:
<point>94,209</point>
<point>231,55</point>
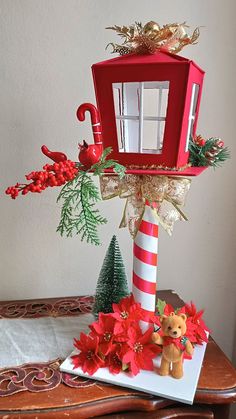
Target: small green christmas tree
<point>112,282</point>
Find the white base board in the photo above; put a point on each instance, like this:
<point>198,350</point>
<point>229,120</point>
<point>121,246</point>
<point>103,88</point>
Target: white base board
<point>182,390</point>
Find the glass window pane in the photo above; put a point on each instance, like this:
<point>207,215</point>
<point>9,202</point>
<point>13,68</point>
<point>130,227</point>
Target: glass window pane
<point>120,134</point>
<point>118,100</point>
<point>149,144</point>
<point>155,98</point>
<point>132,136</point>
<point>150,102</point>
<point>140,109</point>
<point>153,134</point>
<point>164,101</point>
<point>131,99</point>
<point>192,112</point>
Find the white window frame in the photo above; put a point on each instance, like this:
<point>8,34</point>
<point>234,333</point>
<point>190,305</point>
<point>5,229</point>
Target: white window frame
<point>192,112</point>
<point>124,117</point>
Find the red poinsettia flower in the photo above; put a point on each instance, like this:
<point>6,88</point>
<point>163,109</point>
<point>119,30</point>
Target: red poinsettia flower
<point>195,324</point>
<point>138,352</point>
<point>113,359</point>
<point>125,313</point>
<point>191,331</point>
<point>88,358</point>
<point>104,329</point>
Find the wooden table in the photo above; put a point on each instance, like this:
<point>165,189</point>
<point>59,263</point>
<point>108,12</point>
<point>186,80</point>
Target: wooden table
<point>216,388</point>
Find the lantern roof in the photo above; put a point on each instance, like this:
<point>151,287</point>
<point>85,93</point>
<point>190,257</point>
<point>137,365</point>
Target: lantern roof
<point>160,57</point>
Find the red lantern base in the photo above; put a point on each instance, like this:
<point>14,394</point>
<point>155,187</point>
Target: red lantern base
<point>189,171</point>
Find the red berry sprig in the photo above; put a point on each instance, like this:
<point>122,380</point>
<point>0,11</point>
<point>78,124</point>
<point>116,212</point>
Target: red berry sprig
<point>56,174</point>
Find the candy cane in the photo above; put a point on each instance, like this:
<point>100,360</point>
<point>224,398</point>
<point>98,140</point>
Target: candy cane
<point>145,262</point>
<point>95,120</point>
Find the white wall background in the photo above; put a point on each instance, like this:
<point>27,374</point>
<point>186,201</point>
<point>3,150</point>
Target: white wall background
<point>48,48</point>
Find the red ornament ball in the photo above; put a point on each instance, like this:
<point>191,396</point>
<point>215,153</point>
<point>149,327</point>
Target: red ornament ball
<point>89,154</point>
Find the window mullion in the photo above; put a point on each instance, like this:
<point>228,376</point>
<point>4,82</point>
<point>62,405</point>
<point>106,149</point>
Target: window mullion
<point>191,116</point>
<point>136,118</point>
<point>125,122</point>
<point>159,115</point>
<point>140,144</point>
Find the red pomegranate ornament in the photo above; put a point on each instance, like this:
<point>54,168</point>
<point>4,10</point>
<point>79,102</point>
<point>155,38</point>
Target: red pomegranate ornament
<point>89,154</point>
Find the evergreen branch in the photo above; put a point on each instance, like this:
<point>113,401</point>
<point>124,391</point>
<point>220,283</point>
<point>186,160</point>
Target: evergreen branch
<point>78,213</point>
<point>103,164</point>
<point>209,152</point>
<point>79,196</point>
<point>89,220</point>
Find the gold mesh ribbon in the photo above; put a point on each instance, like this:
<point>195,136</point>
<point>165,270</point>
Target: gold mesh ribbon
<point>168,194</point>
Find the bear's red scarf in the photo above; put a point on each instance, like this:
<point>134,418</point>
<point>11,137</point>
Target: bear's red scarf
<point>178,342</point>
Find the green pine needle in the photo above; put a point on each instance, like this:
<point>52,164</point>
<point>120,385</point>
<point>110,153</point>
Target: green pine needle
<point>79,196</point>
<point>199,154</point>
<point>78,214</point>
<point>103,164</point>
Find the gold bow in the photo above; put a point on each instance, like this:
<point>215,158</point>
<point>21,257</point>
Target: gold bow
<point>168,193</point>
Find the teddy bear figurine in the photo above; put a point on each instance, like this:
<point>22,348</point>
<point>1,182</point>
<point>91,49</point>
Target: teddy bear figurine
<point>174,344</point>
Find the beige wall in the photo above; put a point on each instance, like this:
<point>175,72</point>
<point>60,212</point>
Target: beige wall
<point>49,46</point>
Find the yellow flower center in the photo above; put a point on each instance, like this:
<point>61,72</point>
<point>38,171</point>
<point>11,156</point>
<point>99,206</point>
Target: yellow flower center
<point>138,347</point>
<point>90,354</point>
<point>124,314</point>
<point>107,336</point>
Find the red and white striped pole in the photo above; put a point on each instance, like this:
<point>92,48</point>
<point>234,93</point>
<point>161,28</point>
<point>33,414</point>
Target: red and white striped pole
<point>145,263</point>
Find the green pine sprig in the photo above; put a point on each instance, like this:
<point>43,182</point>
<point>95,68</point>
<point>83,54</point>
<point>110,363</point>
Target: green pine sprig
<point>104,163</point>
<point>78,213</point>
<point>208,154</point>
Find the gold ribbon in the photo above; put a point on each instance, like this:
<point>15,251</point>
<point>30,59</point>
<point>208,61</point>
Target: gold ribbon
<point>168,194</point>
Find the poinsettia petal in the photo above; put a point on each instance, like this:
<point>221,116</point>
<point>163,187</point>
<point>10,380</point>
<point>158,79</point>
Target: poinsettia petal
<point>134,368</point>
<point>117,317</point>
<point>128,357</point>
<point>152,350</point>
<point>132,335</point>
<point>181,310</point>
<point>77,344</point>
<point>116,308</point>
<point>105,347</point>
<point>119,328</point>
<point>147,364</point>
<point>204,326</point>
<point>96,327</point>
<point>78,359</point>
<point>146,336</point>
<point>83,338</point>
<point>202,334</point>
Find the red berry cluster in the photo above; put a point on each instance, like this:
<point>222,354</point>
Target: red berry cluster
<point>56,174</point>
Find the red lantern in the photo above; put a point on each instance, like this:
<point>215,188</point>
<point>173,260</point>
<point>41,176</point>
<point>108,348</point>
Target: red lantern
<point>149,107</point>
